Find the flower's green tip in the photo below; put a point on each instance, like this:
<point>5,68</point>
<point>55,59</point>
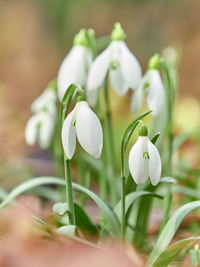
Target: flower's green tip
<point>80,95</point>
<point>81,38</point>
<point>118,33</point>
<point>143,131</point>
<point>91,32</point>
<point>154,61</point>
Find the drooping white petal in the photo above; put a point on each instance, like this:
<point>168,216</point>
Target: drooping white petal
<point>48,96</point>
<point>130,67</point>
<point>156,92</point>
<point>52,110</point>
<point>155,165</point>
<point>137,98</point>
<point>98,70</point>
<point>46,130</point>
<point>117,78</point>
<point>117,81</point>
<point>31,130</point>
<point>69,134</point>
<point>73,69</point>
<point>138,161</point>
<point>92,96</point>
<point>89,130</point>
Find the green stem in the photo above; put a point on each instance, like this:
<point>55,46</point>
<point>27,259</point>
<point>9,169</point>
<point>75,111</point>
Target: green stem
<point>58,152</point>
<point>170,102</point>
<point>123,193</point>
<point>103,171</point>
<point>63,113</point>
<point>113,184</point>
<point>69,191</point>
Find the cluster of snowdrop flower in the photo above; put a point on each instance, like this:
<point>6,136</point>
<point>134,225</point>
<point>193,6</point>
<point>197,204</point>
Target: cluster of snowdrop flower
<point>40,127</point>
<point>118,65</point>
<point>144,159</point>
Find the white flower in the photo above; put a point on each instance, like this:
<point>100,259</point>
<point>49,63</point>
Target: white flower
<point>40,128</point>
<point>75,65</point>
<point>153,85</point>
<point>48,97</point>
<point>123,67</point>
<point>83,123</point>
<point>145,162</point>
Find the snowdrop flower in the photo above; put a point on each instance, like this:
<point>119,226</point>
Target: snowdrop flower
<point>40,128</point>
<point>75,65</point>
<point>152,84</point>
<point>144,160</point>
<point>85,125</point>
<point>121,65</point>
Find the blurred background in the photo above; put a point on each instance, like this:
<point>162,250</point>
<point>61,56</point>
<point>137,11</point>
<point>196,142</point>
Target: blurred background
<point>37,34</point>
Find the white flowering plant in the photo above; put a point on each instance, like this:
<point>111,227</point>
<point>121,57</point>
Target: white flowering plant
<point>72,108</point>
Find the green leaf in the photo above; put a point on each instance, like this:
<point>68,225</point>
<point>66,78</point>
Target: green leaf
<point>84,223</point>
<point>168,255</point>
<point>170,230</point>
<point>155,138</point>
<point>186,191</point>
<point>68,230</point>
<point>47,193</point>
<point>129,200</point>
<point>40,221</point>
<point>113,225</point>
<point>60,208</point>
<point>167,179</point>
<point>3,194</point>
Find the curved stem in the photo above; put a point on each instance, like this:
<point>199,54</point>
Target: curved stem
<point>63,113</point>
<point>113,184</point>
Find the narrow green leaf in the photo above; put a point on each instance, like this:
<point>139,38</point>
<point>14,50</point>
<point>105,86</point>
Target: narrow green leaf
<point>167,179</point>
<point>170,253</point>
<point>113,224</point>
<point>155,138</point>
<point>170,230</point>
<point>84,223</point>
<point>186,191</point>
<point>3,194</point>
<point>129,200</point>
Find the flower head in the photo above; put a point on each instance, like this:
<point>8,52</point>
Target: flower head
<point>75,65</point>
<point>121,65</point>
<point>82,123</point>
<point>144,160</point>
<point>152,85</point>
<point>40,127</point>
